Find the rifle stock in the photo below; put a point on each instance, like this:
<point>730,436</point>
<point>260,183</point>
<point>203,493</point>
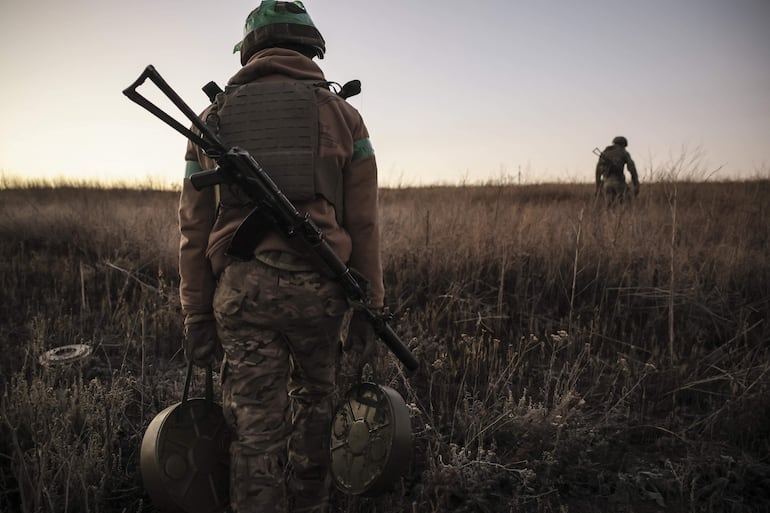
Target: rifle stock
<point>599,153</point>
<point>237,166</point>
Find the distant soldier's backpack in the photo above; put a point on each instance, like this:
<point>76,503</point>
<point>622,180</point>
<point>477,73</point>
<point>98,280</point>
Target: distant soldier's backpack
<point>612,161</point>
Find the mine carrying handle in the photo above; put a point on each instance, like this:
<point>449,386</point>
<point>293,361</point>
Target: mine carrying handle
<point>209,383</point>
<point>237,166</point>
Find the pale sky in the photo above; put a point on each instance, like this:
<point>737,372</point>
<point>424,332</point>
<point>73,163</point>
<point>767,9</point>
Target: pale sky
<point>452,91</point>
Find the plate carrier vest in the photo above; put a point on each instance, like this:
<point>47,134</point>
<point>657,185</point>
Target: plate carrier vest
<point>277,123</point>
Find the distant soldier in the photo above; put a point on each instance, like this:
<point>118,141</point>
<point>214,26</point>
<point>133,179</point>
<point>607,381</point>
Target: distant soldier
<point>610,176</point>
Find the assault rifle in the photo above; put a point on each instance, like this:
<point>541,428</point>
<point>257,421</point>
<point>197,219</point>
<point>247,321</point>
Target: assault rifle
<point>608,162</point>
<point>599,153</point>
<point>603,158</point>
<point>236,166</point>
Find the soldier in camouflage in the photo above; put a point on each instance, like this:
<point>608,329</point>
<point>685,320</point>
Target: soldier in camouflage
<point>278,319</point>
<point>610,174</point>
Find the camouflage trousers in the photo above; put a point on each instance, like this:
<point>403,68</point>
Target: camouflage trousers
<point>614,190</point>
<point>280,331</point>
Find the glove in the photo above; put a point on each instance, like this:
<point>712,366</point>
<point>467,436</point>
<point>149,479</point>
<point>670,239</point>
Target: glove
<point>360,344</point>
<point>636,190</point>
<point>201,344</point>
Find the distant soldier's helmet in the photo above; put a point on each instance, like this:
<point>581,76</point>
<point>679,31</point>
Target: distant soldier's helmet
<point>283,24</point>
<point>620,140</point>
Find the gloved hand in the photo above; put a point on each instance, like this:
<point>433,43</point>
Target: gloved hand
<point>360,344</point>
<point>201,344</point>
<point>636,190</point>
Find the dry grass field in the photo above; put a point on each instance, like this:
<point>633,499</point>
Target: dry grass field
<point>573,358</point>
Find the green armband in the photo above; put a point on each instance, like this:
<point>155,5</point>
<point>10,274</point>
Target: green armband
<point>362,148</point>
<point>191,167</point>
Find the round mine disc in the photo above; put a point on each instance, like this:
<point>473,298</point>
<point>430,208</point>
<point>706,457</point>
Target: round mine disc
<point>65,354</point>
<point>371,440</point>
<point>184,458</point>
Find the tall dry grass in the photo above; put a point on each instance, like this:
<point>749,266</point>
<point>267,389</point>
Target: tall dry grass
<point>574,358</point>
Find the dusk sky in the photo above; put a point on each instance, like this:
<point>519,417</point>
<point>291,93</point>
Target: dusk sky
<point>452,91</point>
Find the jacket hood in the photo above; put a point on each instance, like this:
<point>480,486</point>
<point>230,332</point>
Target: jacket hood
<point>277,61</point>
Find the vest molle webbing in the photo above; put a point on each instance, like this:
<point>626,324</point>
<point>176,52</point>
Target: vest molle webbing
<point>277,122</point>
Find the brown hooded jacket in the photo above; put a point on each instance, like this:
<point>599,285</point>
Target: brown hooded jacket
<point>206,227</point>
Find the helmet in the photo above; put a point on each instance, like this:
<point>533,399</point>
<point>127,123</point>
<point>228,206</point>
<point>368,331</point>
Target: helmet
<point>620,140</point>
<point>279,24</point>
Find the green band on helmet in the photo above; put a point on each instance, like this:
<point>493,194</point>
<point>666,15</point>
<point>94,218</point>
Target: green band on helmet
<point>266,14</point>
<point>362,148</point>
<point>191,167</point>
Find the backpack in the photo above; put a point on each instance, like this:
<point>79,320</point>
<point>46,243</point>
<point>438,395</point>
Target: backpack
<point>612,160</point>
